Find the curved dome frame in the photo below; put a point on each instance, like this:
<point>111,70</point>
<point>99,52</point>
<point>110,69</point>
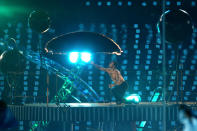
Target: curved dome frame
<point>82,41</point>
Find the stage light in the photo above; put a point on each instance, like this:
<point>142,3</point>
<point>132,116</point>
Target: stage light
<point>168,3</point>
<point>73,57</point>
<point>99,3</point>
<point>155,97</point>
<point>87,3</point>
<point>85,56</point>
<point>144,4</point>
<point>108,3</point>
<point>178,3</point>
<point>129,3</point>
<point>142,124</point>
<point>134,98</point>
<point>193,3</point>
<point>155,3</point>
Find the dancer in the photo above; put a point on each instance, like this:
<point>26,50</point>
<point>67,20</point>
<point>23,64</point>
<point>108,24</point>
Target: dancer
<point>119,85</point>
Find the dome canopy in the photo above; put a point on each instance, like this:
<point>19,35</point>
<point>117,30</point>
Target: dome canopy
<point>82,41</point>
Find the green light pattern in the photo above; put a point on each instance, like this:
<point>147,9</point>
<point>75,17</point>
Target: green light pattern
<point>64,92</point>
<point>61,96</point>
<point>10,11</point>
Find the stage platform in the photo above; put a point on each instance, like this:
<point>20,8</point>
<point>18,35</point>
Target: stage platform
<point>71,112</point>
<point>112,104</point>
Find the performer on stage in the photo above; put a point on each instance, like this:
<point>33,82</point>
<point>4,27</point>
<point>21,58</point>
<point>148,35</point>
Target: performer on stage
<point>119,85</point>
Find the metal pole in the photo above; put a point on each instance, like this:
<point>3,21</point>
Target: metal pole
<point>164,65</point>
<point>64,126</point>
<point>71,127</point>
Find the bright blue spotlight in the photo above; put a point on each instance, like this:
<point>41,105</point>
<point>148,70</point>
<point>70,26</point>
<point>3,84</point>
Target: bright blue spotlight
<point>134,98</point>
<point>73,57</point>
<point>85,56</point>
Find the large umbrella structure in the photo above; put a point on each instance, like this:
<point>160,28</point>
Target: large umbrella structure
<point>178,26</point>
<point>82,41</point>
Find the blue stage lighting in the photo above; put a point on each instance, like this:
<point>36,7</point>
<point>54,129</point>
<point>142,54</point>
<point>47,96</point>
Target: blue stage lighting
<point>85,56</point>
<point>73,57</point>
<point>133,98</point>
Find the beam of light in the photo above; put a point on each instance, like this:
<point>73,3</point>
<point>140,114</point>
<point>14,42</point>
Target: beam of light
<point>85,56</point>
<point>10,11</point>
<point>73,57</point>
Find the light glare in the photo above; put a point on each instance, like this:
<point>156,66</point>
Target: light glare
<point>133,97</point>
<point>73,57</point>
<point>85,56</point>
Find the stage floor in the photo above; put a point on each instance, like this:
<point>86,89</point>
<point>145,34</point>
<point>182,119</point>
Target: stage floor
<point>112,104</point>
<point>142,111</point>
